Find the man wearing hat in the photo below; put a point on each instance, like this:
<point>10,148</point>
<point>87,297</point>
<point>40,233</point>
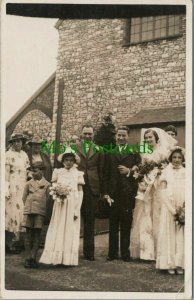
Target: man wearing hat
<point>35,197</point>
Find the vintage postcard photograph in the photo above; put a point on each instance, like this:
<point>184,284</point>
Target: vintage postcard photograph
<point>96,149</point>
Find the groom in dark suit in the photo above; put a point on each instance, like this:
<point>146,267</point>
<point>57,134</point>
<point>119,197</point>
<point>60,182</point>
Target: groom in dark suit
<point>91,163</point>
<point>121,187</point>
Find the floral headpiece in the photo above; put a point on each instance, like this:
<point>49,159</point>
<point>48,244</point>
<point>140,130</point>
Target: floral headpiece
<point>68,151</point>
<point>174,149</point>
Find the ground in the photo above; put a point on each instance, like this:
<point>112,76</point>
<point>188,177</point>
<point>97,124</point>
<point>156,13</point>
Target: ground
<point>100,275</point>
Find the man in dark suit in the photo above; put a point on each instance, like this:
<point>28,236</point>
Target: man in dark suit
<point>120,188</point>
<point>91,163</point>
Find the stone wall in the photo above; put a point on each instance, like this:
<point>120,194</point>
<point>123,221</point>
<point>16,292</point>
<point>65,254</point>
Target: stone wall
<point>101,74</point>
<point>36,115</point>
<point>46,97</point>
<point>37,122</point>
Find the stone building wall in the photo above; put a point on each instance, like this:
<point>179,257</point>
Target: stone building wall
<point>47,96</point>
<point>36,114</point>
<point>37,122</point>
<point>101,74</point>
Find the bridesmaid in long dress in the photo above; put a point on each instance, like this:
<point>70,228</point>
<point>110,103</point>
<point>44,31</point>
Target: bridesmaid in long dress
<point>62,239</point>
<point>170,254</point>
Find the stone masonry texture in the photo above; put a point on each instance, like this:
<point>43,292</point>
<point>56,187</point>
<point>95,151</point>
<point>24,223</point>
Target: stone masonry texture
<point>101,74</point>
<point>37,122</point>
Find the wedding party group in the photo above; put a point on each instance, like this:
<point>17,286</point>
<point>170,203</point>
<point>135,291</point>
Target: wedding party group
<point>145,194</point>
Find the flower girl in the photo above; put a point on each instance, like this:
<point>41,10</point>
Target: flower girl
<point>62,239</point>
<point>170,255</point>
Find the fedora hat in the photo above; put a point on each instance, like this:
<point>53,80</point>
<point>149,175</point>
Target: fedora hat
<point>17,136</point>
<point>38,165</point>
<point>36,140</point>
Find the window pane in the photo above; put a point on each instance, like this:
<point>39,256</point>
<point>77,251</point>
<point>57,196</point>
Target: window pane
<point>157,23</point>
<point>135,21</point>
<point>177,20</point>
<point>163,23</point>
<point>157,33</point>
<point>171,20</point>
<point>150,35</point>
<point>145,27</point>
<point>137,28</point>
<point>150,23</point>
<point>146,36</point>
<point>144,20</point>
<point>163,32</point>
<point>171,30</point>
<point>177,30</point>
<point>135,38</point>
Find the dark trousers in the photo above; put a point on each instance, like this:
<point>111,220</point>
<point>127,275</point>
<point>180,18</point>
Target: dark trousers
<point>120,218</point>
<point>32,241</point>
<point>88,211</point>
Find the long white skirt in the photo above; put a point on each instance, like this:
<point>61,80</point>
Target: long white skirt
<point>62,239</point>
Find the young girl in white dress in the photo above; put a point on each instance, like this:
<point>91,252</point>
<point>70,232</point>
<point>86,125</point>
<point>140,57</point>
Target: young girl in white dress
<point>62,239</point>
<point>170,254</point>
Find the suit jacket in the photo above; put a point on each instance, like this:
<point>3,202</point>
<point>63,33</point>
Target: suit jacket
<point>35,197</point>
<point>119,186</point>
<point>91,163</point>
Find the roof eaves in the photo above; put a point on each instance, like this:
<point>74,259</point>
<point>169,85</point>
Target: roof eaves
<point>59,22</point>
<point>43,86</point>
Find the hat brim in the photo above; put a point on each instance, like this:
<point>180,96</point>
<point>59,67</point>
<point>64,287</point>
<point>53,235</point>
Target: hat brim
<point>60,157</point>
<point>14,139</point>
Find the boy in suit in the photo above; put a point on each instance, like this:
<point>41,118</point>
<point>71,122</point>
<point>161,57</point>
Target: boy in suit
<point>35,197</point>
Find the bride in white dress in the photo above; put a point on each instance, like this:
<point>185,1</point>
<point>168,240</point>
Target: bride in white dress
<point>146,214</point>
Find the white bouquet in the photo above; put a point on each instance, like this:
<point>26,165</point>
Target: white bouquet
<point>59,192</point>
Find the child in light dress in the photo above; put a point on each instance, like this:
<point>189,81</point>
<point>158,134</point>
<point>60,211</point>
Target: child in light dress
<point>170,254</point>
<point>62,239</point>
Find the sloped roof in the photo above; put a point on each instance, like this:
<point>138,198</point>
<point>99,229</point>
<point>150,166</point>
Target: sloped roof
<point>159,115</point>
<point>30,100</point>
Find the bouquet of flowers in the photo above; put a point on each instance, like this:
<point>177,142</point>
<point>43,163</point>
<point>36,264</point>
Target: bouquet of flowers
<point>180,215</point>
<point>59,192</point>
<point>146,174</point>
<point>146,169</point>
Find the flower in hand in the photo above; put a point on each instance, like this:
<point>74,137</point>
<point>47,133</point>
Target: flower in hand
<point>179,216</point>
<point>108,199</point>
<point>59,192</point>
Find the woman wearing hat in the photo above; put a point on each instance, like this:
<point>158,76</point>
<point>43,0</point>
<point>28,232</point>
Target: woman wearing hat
<point>35,154</point>
<point>16,165</point>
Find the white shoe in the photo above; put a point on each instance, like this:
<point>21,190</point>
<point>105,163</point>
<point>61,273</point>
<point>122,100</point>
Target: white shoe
<point>179,271</point>
<point>171,271</point>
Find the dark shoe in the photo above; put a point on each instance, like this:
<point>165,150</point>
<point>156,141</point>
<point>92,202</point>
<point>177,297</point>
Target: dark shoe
<point>27,264</point>
<point>109,258</point>
<point>90,258</point>
<point>126,259</point>
<point>13,250</point>
<point>34,264</point>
